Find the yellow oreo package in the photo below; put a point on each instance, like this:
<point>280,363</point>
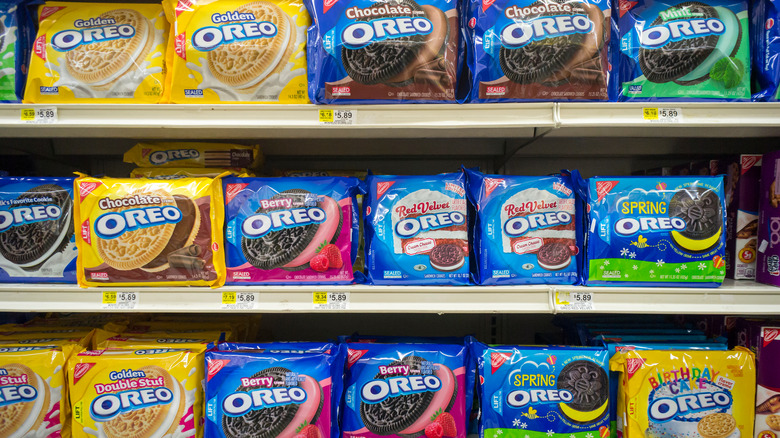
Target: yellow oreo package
<point>137,232</point>
<point>193,339</point>
<point>34,338</point>
<point>185,172</point>
<point>98,53</point>
<point>692,393</point>
<point>110,390</point>
<point>237,51</point>
<point>193,154</point>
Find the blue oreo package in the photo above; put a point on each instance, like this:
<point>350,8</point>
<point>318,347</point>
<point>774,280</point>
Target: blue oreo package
<point>291,230</point>
<point>416,230</point>
<point>682,50</point>
<point>281,394</point>
<point>526,229</point>
<point>383,51</point>
<point>17,33</point>
<point>765,34</point>
<point>279,347</point>
<point>397,390</point>
<point>37,243</point>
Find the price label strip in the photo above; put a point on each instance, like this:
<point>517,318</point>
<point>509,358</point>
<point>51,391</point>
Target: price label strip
<point>39,115</point>
<point>662,115</point>
<point>330,300</point>
<point>119,300</point>
<point>239,301</point>
<point>333,117</point>
<point>567,301</point>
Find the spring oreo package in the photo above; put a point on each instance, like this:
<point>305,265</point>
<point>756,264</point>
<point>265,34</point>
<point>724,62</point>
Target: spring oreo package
<point>655,231</point>
<point>397,390</point>
<point>17,32</point>
<point>416,230</point>
<point>675,49</point>
<point>527,229</point>
<point>291,230</point>
<point>765,43</point>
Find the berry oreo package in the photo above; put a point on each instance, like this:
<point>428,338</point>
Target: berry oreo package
<point>291,230</point>
<point>17,32</point>
<point>403,390</point>
<point>416,230</point>
<point>692,50</point>
<point>765,43</point>
<point>527,229</point>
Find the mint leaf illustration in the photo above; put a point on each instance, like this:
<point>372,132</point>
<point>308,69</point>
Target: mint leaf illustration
<point>729,71</point>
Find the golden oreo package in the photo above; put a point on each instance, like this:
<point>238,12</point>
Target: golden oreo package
<point>139,232</point>
<point>237,51</point>
<point>142,393</point>
<point>184,172</point>
<point>193,154</point>
<point>98,53</point>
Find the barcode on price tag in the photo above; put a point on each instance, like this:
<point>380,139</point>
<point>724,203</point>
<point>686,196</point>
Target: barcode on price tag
<point>39,115</point>
<point>662,115</point>
<point>239,301</point>
<point>573,301</point>
<point>330,300</point>
<point>337,116</point>
<point>119,300</point>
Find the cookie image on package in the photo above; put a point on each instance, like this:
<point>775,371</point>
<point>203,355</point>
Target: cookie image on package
<point>554,256</point>
<point>719,425</point>
<point>244,65</point>
<point>24,418</point>
<point>100,65</point>
<point>587,383</point>
<point>30,245</point>
<point>283,421</point>
<point>575,57</point>
<point>701,210</point>
<point>769,406</point>
<point>688,61</point>
<point>293,248</point>
<point>447,257</point>
<point>408,414</point>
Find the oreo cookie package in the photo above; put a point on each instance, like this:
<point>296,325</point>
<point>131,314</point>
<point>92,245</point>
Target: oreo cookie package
<point>765,44</point>
<point>397,390</point>
<point>538,49</point>
<point>291,230</point>
<point>416,230</point>
<point>655,231</point>
<point>37,243</point>
<point>383,51</point>
<point>268,395</point>
<point>679,49</point>
<point>527,229</point>
<point>17,32</point>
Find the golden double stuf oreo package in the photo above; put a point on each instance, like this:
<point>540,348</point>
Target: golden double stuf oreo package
<point>98,52</point>
<point>140,232</point>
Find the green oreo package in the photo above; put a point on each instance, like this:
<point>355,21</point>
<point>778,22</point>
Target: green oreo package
<point>677,49</point>
<point>655,231</point>
<point>17,31</point>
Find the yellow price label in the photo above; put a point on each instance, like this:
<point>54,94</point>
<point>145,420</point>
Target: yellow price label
<point>28,114</point>
<point>326,116</point>
<point>109,297</point>
<point>228,298</point>
<point>650,113</point>
<point>320,298</point>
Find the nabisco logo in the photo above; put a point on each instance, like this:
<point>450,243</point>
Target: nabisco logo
<point>233,190</point>
<point>455,189</point>
<point>39,48</point>
<point>633,365</point>
<point>327,4</point>
<point>145,152</point>
<point>749,161</point>
<point>770,334</point>
<point>486,4</point>
<point>184,5</point>
<point>491,184</point>
<point>496,360</point>
<point>80,370</point>
<point>86,188</point>
<point>180,45</point>
<point>626,6</point>
<point>214,366</point>
<point>47,11</point>
<point>562,188</point>
<point>353,356</point>
<point>382,187</point>
<point>604,187</point>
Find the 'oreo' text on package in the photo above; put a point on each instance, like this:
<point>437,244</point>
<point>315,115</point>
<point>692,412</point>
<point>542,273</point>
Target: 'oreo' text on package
<point>655,231</point>
<point>372,51</point>
<point>291,230</point>
<point>526,229</point>
<point>416,230</point>
<point>37,243</point>
<point>672,49</point>
<point>530,49</point>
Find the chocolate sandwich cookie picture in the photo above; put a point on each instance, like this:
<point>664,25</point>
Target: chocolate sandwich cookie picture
<point>692,49</point>
<point>37,242</point>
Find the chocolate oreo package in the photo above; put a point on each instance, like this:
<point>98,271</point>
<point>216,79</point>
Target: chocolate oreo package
<point>291,230</point>
<point>527,229</point>
<point>383,51</point>
<point>691,50</point>
<point>269,395</point>
<point>399,390</point>
<point>765,47</point>
<point>655,231</point>
<point>416,230</point>
<point>521,50</point>
<point>37,242</point>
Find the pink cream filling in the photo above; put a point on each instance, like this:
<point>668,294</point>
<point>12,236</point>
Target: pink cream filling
<point>307,410</point>
<point>324,233</point>
<point>440,400</point>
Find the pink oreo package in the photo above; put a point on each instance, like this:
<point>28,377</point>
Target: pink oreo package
<point>291,230</point>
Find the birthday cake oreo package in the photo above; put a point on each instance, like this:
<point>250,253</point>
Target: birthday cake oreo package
<point>655,231</point>
<point>527,229</point>
<point>692,50</point>
<point>416,230</point>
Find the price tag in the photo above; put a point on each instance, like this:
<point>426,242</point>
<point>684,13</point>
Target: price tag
<point>573,301</point>
<point>39,115</point>
<point>662,115</point>
<point>239,300</point>
<point>119,300</point>
<point>338,116</point>
<point>330,300</point>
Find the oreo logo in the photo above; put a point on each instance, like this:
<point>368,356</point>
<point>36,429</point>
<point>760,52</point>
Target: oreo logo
<point>17,394</point>
<point>112,225</point>
<point>521,398</point>
<point>377,390</point>
<point>662,34</point>
<point>517,226</point>
<point>27,215</point>
<point>108,406</point>
<point>67,40</point>
<point>209,38</point>
<point>362,33</point>
<point>239,403</point>
<point>412,226</point>
<point>630,226</point>
<point>667,408</point>
<point>258,225</point>
<point>519,34</point>
<point>162,157</point>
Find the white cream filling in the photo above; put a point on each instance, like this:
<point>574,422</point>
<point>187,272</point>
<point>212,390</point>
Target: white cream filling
<point>127,66</point>
<point>29,422</point>
<point>172,412</point>
<point>54,246</point>
<point>277,59</point>
<point>454,267</point>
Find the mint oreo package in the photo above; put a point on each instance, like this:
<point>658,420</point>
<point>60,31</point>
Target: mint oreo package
<point>764,16</point>
<point>682,49</point>
<point>17,32</point>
